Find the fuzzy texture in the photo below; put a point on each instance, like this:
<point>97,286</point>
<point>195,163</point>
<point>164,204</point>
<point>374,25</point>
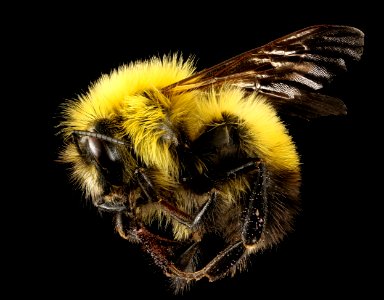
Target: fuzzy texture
<point>107,96</point>
<point>151,121</point>
<point>262,131</point>
<point>119,95</point>
<point>196,167</point>
<point>132,107</point>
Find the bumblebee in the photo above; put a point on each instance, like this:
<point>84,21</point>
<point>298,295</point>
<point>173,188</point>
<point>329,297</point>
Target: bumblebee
<point>197,167</point>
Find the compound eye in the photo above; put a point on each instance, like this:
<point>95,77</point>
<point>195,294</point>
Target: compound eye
<point>104,154</point>
<point>96,147</point>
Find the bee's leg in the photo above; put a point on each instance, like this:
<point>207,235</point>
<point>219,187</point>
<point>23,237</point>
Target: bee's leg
<point>254,220</point>
<point>161,251</point>
<point>184,218</point>
<point>255,210</point>
<point>243,169</point>
<point>128,234</point>
<point>134,232</point>
<point>217,268</point>
<point>255,203</point>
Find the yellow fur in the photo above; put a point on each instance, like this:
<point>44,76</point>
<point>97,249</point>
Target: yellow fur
<point>118,94</point>
<point>108,95</point>
<point>151,124</point>
<point>151,120</point>
<point>199,155</point>
<point>267,136</point>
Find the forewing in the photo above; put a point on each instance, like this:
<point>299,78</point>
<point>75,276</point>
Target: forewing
<point>289,70</point>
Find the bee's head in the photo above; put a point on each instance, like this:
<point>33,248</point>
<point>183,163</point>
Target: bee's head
<point>121,123</point>
<point>102,164</point>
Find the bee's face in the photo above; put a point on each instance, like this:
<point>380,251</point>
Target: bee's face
<point>108,166</point>
<point>197,168</point>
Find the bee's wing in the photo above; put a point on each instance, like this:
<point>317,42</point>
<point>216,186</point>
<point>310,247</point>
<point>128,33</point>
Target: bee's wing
<point>288,70</point>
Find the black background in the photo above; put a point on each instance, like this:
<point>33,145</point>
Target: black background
<point>62,246</point>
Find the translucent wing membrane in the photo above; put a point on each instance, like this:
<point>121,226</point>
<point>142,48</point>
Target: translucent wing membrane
<point>288,70</point>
